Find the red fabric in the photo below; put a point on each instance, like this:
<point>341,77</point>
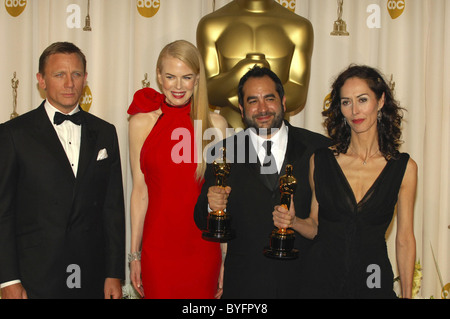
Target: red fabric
<point>145,100</point>
<point>176,262</point>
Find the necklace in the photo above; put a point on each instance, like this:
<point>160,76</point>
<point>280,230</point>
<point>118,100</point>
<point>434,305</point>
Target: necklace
<point>367,156</point>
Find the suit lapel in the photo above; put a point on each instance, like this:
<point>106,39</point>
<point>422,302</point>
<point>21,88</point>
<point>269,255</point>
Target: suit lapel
<point>253,163</point>
<point>87,147</point>
<point>294,151</point>
<point>46,134</point>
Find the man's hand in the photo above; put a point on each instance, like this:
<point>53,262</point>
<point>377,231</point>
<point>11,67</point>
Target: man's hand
<point>15,291</point>
<point>284,218</point>
<point>218,197</point>
<point>113,288</point>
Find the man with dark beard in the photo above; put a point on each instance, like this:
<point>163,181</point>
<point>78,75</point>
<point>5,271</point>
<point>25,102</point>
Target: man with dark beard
<point>253,190</point>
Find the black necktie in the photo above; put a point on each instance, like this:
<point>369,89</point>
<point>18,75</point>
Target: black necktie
<point>269,163</point>
<point>60,118</point>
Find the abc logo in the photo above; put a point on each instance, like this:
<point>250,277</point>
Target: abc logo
<point>327,102</point>
<point>15,7</point>
<point>148,8</point>
<point>395,8</point>
<point>289,4</point>
<point>86,99</point>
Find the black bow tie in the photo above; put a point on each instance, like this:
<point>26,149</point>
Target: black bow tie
<point>59,118</point>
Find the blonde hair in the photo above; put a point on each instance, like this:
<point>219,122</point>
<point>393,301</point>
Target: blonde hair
<point>189,54</point>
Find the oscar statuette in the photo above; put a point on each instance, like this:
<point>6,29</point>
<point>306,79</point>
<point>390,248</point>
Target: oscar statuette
<point>282,240</point>
<point>218,223</point>
<point>15,85</point>
<point>339,26</point>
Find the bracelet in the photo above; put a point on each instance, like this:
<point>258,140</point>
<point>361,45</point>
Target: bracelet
<point>134,256</point>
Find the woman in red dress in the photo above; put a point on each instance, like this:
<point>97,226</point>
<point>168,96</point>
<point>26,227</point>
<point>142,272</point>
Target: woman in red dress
<point>169,258</point>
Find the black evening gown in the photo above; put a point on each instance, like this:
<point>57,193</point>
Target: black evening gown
<point>349,256</point>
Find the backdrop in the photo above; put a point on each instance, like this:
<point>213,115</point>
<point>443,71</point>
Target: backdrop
<point>405,39</point>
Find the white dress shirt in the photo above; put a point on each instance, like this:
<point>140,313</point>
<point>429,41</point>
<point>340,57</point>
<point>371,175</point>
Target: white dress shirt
<point>279,140</point>
<point>69,135</point>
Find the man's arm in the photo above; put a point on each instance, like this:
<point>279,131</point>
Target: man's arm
<point>114,216</point>
<point>9,269</point>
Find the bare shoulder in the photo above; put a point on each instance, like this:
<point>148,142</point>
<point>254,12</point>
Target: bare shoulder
<point>412,165</point>
<point>142,123</point>
<point>410,176</point>
<point>411,168</point>
<point>218,121</point>
<point>140,120</point>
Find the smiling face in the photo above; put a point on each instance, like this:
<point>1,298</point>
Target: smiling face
<point>63,80</point>
<point>359,105</point>
<point>263,108</point>
<point>177,81</point>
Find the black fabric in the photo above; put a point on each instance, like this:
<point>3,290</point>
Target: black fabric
<point>350,244</point>
<point>270,163</point>
<point>248,272</point>
<point>60,118</point>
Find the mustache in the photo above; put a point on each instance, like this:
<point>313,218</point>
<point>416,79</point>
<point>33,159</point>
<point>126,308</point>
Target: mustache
<point>263,114</point>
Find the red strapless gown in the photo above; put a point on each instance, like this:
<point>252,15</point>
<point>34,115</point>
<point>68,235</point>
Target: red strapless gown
<point>176,262</point>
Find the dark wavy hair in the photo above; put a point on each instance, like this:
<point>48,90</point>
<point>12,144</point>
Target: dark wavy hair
<point>389,125</point>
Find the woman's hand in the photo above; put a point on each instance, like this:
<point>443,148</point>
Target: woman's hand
<point>135,276</point>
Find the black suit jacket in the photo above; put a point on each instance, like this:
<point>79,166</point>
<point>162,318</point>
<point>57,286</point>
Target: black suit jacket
<point>248,273</point>
<point>49,219</point>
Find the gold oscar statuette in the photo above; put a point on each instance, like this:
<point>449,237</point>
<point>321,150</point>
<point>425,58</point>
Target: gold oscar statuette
<point>218,224</point>
<point>339,26</point>
<point>14,85</point>
<point>145,81</point>
<point>87,21</point>
<point>282,239</point>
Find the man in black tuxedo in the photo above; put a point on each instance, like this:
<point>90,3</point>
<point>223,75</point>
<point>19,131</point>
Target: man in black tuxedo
<point>251,196</point>
<point>62,216</point>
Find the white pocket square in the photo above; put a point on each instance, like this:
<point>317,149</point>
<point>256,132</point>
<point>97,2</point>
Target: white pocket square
<point>102,154</point>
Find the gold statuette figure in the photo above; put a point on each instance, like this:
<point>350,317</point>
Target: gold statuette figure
<point>218,225</point>
<point>87,21</point>
<point>339,26</point>
<point>145,81</point>
<point>14,85</point>
<point>245,33</point>
<point>282,240</point>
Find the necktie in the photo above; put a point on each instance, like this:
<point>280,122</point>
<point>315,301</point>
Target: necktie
<point>60,118</point>
<point>269,164</point>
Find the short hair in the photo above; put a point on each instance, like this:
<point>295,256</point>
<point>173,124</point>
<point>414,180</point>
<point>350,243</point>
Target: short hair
<point>60,47</point>
<point>259,72</point>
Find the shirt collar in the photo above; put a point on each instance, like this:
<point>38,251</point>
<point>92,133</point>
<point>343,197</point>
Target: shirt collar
<point>279,139</point>
<point>51,110</point>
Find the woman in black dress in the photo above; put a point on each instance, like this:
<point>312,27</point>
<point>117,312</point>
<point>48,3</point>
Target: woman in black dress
<point>356,186</point>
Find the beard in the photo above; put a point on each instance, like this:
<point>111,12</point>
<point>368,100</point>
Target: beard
<point>277,121</point>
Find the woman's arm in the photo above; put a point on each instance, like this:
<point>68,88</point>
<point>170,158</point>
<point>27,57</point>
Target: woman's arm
<point>405,240</point>
<point>140,126</point>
